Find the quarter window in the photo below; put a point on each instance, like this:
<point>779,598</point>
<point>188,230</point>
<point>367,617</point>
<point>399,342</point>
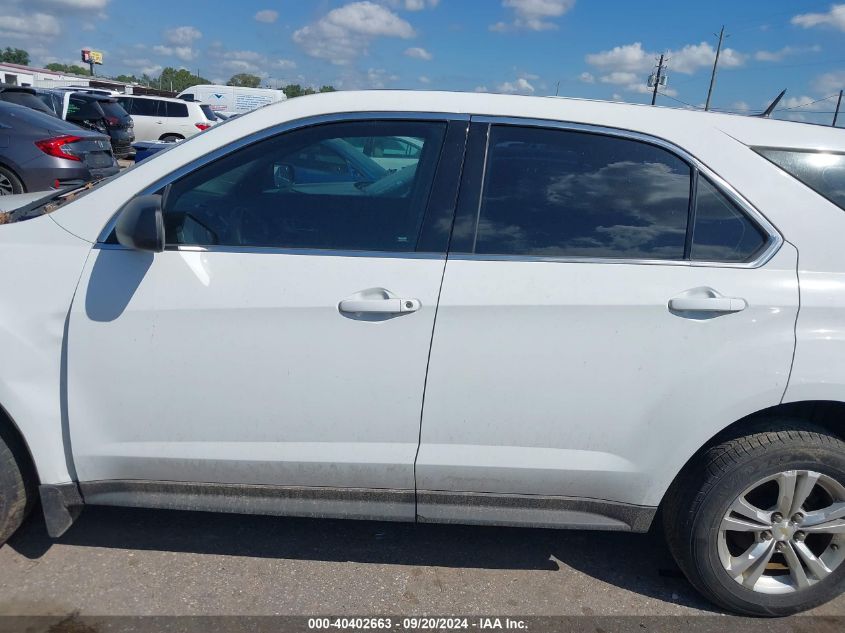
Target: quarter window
<point>823,172</point>
<point>312,188</point>
<point>722,232</point>
<point>560,193</point>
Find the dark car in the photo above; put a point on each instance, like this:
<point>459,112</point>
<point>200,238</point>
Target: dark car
<point>95,112</point>
<point>106,115</point>
<point>40,152</point>
<point>26,97</point>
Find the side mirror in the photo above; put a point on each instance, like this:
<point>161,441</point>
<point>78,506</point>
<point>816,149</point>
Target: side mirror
<point>140,224</point>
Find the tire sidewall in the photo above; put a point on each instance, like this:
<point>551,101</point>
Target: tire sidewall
<point>713,508</point>
<point>17,184</point>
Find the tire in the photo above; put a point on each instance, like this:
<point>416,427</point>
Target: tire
<point>14,491</point>
<point>699,515</point>
<point>10,184</point>
<point>171,138</point>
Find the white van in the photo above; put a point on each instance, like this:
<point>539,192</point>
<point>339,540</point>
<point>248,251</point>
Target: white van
<point>232,99</point>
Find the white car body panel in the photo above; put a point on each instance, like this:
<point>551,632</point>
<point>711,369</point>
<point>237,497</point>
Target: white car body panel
<point>233,368</point>
<point>233,99</point>
<point>606,460</point>
<point>574,379</point>
<point>41,264</point>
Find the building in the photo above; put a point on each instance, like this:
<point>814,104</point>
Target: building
<point>18,75</point>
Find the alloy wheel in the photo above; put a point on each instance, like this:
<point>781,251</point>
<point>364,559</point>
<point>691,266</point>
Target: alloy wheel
<point>784,533</point>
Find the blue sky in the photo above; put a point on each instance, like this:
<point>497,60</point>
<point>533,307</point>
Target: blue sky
<point>594,48</point>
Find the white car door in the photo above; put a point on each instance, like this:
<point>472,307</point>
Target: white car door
<point>282,337</point>
<point>589,336</point>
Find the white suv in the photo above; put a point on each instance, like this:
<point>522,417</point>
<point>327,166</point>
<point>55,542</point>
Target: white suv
<point>560,313</point>
<point>163,119</point>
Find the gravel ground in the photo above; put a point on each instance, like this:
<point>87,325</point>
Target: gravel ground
<point>145,562</point>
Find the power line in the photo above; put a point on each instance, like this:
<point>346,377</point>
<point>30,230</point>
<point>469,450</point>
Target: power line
<point>663,94</point>
<point>804,105</point>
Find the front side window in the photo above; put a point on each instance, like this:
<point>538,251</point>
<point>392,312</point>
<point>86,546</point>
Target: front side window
<point>560,193</point>
<point>823,172</point>
<point>312,188</point>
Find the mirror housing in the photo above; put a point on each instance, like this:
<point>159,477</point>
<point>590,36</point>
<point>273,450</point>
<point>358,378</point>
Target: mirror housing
<point>140,224</point>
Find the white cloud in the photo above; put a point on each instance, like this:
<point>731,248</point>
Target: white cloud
<point>418,53</point>
<point>345,33</point>
<point>87,5</point>
<point>481,89</point>
<point>520,86</point>
<point>379,78</point>
<point>786,51</point>
<point>268,16</point>
<point>829,83</point>
<point>424,80</point>
<point>185,53</point>
<point>37,25</point>
<point>283,64</point>
<point>413,5</point>
<point>835,18</point>
<point>145,66</point>
<point>182,35</point>
<point>587,78</point>
<point>689,59</point>
<point>533,15</point>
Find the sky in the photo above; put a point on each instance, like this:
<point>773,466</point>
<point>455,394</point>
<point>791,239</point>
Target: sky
<point>600,49</point>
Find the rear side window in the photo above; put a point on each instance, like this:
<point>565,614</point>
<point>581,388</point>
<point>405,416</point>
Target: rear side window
<point>722,232</point>
<point>26,99</point>
<point>823,172</point>
<point>176,110</point>
<point>560,193</point>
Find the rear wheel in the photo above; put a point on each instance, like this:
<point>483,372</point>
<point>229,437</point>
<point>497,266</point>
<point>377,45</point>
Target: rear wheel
<point>13,491</point>
<point>757,523</point>
<point>10,184</point>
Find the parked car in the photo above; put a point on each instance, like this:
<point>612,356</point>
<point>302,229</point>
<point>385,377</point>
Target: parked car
<point>249,326</point>
<point>232,99</point>
<point>43,152</point>
<point>94,112</point>
<point>163,119</point>
<point>23,96</point>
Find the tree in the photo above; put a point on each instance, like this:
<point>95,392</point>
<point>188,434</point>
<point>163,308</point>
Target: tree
<point>178,80</point>
<point>295,90</point>
<point>14,56</point>
<point>244,80</point>
<point>71,69</point>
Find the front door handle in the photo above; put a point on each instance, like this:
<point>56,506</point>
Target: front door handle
<point>379,306</point>
<point>707,304</point>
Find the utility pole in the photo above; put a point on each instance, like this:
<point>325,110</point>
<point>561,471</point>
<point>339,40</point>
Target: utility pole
<point>836,114</point>
<point>657,79</point>
<point>557,88</point>
<point>715,66</point>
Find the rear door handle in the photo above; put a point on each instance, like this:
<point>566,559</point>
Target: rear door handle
<point>707,304</point>
<point>379,306</point>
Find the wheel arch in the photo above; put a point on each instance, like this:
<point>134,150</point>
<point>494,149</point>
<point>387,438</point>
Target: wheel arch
<point>173,134</point>
<point>15,440</point>
<point>828,414</point>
